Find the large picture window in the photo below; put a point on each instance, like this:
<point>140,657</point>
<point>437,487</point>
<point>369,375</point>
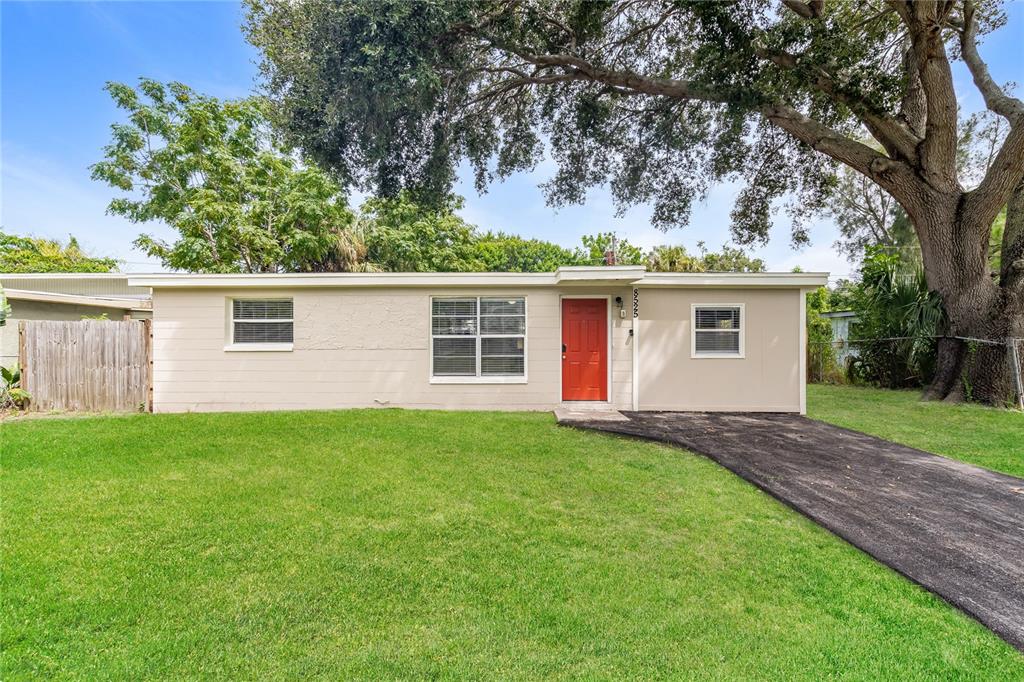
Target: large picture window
<point>717,331</point>
<point>480,337</point>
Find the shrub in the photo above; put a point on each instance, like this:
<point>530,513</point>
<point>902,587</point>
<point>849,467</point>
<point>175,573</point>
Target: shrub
<point>12,395</point>
<point>897,321</point>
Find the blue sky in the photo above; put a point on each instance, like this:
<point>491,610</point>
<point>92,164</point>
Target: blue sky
<point>54,119</point>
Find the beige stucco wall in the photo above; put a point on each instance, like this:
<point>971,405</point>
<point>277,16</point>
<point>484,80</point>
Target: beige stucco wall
<point>42,310</point>
<point>767,379</point>
<point>354,348</point>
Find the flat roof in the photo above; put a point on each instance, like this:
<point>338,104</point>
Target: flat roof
<point>103,284</point>
<point>633,275</point>
<point>116,302</point>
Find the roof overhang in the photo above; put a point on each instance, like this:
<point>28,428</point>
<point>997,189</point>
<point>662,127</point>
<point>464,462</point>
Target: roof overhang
<point>737,280</point>
<point>624,275</point>
<point>79,299</point>
<point>63,275</point>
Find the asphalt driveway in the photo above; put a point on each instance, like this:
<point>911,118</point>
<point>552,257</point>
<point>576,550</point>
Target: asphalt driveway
<point>954,528</point>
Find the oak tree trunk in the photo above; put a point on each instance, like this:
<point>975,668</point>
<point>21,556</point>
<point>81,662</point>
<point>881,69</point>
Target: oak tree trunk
<point>979,304</point>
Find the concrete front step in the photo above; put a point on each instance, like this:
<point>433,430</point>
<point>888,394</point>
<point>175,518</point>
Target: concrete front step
<point>568,415</point>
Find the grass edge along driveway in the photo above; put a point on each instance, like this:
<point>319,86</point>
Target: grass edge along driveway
<point>388,543</point>
<point>984,436</point>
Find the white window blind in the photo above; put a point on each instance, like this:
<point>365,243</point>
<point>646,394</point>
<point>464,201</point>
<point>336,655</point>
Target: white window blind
<point>262,321</point>
<point>717,330</point>
<point>483,336</point>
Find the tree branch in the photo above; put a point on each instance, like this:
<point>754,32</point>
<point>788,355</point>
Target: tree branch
<point>522,81</point>
<point>913,106</point>
<point>1004,175</point>
<point>806,10</point>
<point>924,21</point>
<point>897,139</point>
<point>996,100</point>
<point>666,87</point>
<point>890,174</point>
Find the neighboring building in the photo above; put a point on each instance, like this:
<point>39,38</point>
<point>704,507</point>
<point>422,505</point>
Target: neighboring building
<point>615,337</point>
<point>841,321</point>
<point>67,296</point>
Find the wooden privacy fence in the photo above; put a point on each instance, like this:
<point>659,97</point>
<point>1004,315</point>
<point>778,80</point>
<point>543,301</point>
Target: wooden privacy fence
<point>89,365</point>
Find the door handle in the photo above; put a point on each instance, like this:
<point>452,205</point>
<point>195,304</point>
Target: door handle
<point>563,347</point>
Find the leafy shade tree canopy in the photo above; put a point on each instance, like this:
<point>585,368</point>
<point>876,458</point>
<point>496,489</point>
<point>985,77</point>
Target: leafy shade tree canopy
<point>660,100</point>
<point>214,172</point>
<point>240,202</point>
<point>32,254</point>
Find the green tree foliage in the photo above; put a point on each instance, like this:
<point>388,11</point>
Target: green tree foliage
<point>821,355</point>
<point>5,308</point>
<point>661,100</point>
<point>500,252</point>
<point>214,171</point>
<point>400,91</point>
<point>402,236</point>
<point>995,242</point>
<point>678,259</point>
<point>595,246</point>
<point>897,320</point>
<point>32,254</point>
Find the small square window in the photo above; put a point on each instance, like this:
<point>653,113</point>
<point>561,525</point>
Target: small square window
<point>717,331</point>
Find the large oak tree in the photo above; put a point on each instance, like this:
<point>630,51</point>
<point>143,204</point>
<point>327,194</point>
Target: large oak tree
<point>661,99</point>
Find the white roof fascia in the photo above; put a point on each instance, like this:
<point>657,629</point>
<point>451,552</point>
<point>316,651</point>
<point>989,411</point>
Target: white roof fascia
<point>586,275</point>
<point>64,275</point>
<point>738,280</point>
<point>79,299</point>
<point>346,279</point>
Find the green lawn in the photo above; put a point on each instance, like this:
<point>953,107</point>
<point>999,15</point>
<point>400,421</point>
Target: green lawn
<point>990,438</point>
<point>391,544</point>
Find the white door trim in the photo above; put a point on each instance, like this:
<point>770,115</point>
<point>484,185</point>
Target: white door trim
<point>608,349</point>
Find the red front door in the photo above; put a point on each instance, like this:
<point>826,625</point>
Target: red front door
<point>584,349</point>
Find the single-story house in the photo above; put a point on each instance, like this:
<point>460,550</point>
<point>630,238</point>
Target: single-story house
<point>66,296</point>
<point>611,336</point>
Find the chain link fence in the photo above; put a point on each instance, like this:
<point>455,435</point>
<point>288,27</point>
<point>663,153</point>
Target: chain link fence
<point>898,362</point>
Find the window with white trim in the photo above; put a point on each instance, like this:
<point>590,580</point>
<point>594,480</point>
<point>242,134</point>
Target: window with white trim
<point>263,321</point>
<point>480,336</point>
<point>717,331</point>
